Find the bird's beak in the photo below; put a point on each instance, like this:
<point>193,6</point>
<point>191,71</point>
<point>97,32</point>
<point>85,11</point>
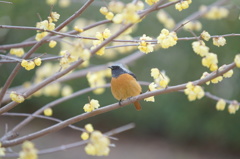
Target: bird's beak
<point>110,67</point>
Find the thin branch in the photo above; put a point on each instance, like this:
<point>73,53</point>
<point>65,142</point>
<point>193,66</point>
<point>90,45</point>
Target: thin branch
<point>17,60</point>
<point>6,2</point>
<point>42,117</point>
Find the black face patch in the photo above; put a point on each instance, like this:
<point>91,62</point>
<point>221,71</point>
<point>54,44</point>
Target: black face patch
<point>118,69</point>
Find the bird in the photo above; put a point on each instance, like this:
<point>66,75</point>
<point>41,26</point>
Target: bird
<point>124,84</point>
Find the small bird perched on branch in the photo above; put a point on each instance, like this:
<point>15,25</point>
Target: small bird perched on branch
<point>124,84</point>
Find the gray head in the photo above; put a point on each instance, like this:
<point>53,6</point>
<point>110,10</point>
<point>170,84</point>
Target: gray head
<point>118,69</point>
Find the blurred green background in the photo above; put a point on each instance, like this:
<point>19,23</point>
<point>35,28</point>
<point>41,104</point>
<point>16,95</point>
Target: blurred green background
<point>171,116</point>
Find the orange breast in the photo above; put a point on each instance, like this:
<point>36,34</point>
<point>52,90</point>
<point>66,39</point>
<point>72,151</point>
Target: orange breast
<point>125,86</point>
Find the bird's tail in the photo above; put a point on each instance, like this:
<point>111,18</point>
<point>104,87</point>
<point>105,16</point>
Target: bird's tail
<point>137,105</point>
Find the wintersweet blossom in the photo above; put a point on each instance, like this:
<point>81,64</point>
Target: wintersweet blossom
<point>151,87</point>
<point>2,150</point>
<point>210,60</point>
<point>97,79</point>
<point>85,136</point>
<point>116,6</point>
<point>193,92</point>
<point>219,41</point>
<point>66,90</point>
<point>52,43</point>
<point>17,51</point>
<point>98,145</point>
<point>193,25</point>
<point>237,60</point>
<point>16,97</point>
<point>54,16</point>
<point>28,65</point>
<point>48,112</point>
<point>167,39</point>
<point>233,107</point>
<point>92,105</point>
<point>144,46</point>
<point>205,35</point>
<point>151,2</point>
<point>166,19</point>
<point>89,128</point>
<point>200,48</point>
<point>221,104</point>
<point>28,151</point>
<point>205,74</point>
<point>216,12</point>
<point>182,5</point>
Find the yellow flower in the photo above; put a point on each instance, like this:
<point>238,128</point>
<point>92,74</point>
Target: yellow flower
<point>66,59</point>
<point>37,61</point>
<point>52,44</point>
<point>89,128</point>
<point>94,104</point>
<point>40,36</point>
<point>219,41</point>
<point>193,25</point>
<point>216,12</point>
<point>217,79</point>
<point>210,61</point>
<point>130,14</point>
<point>116,6</point>
<point>54,16</point>
<point>139,5</point>
<point>227,74</point>
<point>17,51</point>
<point>167,39</point>
<point>182,5</point>
<point>78,29</point>
<point>205,74</point>
<point>28,151</point>
<point>144,46</point>
<point>155,73</point>
<point>51,2</point>
<point>151,2</point>
<point>90,149</point>
<point>48,112</point>
<point>16,97</point>
<point>52,89</point>
<point>103,10</point>
<point>2,150</point>
<point>85,136</point>
<point>66,91</point>
<point>205,35</point>
<point>118,18</point>
<point>104,35</point>
<point>109,16</point>
<point>166,19</point>
<point>233,107</point>
<point>97,79</point>
<point>64,3</point>
<point>200,48</point>
<point>193,92</point>
<point>99,144</point>
<point>221,105</point>
<point>237,60</point>
<point>45,25</point>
